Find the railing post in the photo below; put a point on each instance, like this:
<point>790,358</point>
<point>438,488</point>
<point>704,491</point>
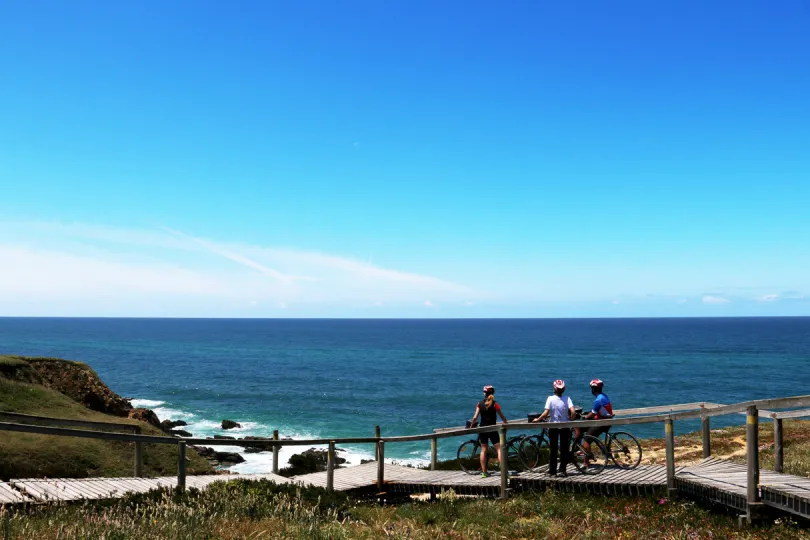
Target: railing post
<point>330,467</point>
<point>275,452</point>
<point>778,450</point>
<point>434,450</point>
<point>669,430</point>
<point>377,446</point>
<point>380,465</point>
<point>752,452</point>
<point>504,465</point>
<point>705,423</point>
<point>181,466</point>
<point>138,455</point>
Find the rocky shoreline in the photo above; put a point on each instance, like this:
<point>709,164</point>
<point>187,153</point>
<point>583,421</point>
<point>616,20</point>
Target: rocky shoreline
<point>80,383</point>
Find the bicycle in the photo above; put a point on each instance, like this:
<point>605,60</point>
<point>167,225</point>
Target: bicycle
<point>469,452</point>
<point>536,453</point>
<point>623,449</point>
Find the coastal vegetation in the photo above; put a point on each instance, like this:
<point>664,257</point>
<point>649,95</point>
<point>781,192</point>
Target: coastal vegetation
<point>255,509</point>
<point>71,390</point>
<point>262,509</point>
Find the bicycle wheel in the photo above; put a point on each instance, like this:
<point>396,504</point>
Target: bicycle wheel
<point>625,451</point>
<point>590,461</point>
<point>534,451</point>
<point>513,459</point>
<point>468,456</point>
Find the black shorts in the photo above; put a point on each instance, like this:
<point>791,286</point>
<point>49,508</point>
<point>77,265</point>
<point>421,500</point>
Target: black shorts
<point>595,431</point>
<point>489,437</point>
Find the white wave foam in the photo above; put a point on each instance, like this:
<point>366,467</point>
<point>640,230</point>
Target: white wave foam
<point>148,403</point>
<point>262,462</point>
<point>165,413</point>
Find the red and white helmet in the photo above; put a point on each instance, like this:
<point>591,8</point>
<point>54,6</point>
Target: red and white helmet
<point>489,389</point>
<point>559,384</point>
<point>597,383</point>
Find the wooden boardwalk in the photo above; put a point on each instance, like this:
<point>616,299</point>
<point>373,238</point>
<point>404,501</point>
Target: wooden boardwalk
<point>712,480</point>
<point>39,490</point>
<point>723,482</point>
<point>643,480</point>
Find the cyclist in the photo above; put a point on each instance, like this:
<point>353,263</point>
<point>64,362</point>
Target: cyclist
<point>559,409</point>
<point>602,409</point>
<point>487,410</point>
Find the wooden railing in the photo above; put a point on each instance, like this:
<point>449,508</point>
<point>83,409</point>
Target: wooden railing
<point>51,421</point>
<point>667,414</point>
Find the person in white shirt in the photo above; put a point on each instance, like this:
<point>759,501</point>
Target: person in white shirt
<point>558,409</point>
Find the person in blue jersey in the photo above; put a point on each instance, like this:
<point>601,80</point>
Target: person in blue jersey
<point>602,409</point>
<point>558,409</point>
<point>487,409</point>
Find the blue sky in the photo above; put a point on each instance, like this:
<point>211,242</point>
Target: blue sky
<point>384,159</point>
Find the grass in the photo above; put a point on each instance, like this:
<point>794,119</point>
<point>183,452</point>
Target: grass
<point>24,455</point>
<point>14,360</point>
<point>729,443</point>
<point>261,509</point>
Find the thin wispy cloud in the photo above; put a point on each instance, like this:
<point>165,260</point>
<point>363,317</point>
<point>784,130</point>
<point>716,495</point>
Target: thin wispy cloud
<point>100,269</point>
<point>238,258</point>
<point>715,300</point>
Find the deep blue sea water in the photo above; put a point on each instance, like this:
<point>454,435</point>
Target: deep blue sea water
<point>322,378</point>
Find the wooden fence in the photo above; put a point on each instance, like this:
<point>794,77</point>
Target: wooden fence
<point>667,414</point>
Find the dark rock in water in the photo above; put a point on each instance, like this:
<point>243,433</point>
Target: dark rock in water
<point>259,446</point>
<point>180,433</point>
<point>225,437</point>
<point>310,461</point>
<point>145,415</point>
<point>171,424</point>
<point>228,457</point>
<point>255,450</point>
<point>364,461</point>
<point>230,424</point>
<point>205,451</point>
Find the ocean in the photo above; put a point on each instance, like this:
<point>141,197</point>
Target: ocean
<point>339,378</point>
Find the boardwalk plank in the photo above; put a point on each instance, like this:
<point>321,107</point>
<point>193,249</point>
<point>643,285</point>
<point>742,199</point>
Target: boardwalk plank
<point>9,495</point>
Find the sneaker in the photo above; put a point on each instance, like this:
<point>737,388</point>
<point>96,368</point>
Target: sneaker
<point>484,475</point>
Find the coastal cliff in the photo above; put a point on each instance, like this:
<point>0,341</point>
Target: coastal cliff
<point>65,389</point>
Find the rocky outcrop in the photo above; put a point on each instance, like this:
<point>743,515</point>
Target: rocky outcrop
<point>231,458</point>
<point>166,425</point>
<point>230,424</point>
<point>205,451</point>
<point>258,445</point>
<point>180,433</point>
<point>144,415</point>
<point>310,461</point>
<point>73,379</point>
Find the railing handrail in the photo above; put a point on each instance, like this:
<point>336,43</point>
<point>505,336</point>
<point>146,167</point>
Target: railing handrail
<point>703,410</point>
<point>26,418</point>
<point>708,410</point>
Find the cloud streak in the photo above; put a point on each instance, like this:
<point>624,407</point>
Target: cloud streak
<point>715,300</point>
<point>101,269</point>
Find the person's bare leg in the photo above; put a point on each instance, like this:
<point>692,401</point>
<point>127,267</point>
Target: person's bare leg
<point>498,453</point>
<point>484,449</point>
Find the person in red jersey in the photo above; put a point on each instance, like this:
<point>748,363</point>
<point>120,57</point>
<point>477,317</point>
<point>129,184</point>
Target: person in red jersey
<point>488,410</point>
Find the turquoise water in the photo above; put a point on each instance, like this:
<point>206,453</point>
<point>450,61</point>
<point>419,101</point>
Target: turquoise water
<point>338,378</point>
